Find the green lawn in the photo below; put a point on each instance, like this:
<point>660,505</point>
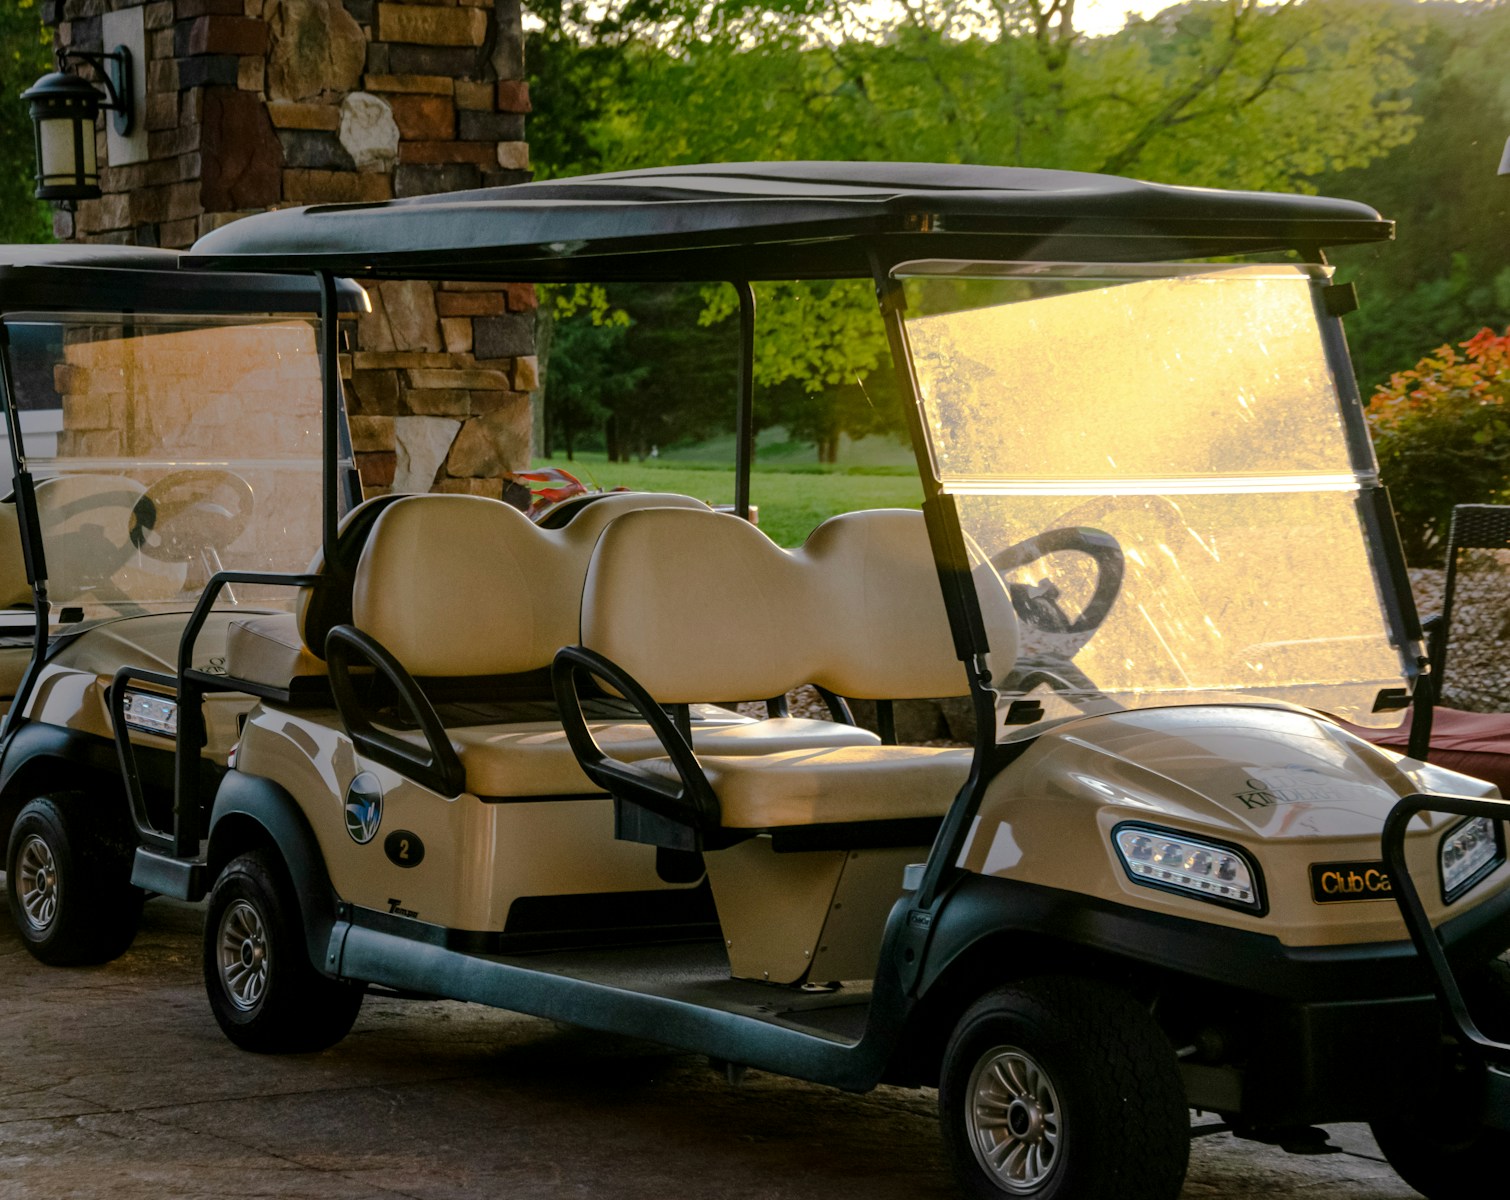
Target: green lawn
<point>791,502</point>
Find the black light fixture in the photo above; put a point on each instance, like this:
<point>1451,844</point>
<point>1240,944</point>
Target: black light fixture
<point>63,109</point>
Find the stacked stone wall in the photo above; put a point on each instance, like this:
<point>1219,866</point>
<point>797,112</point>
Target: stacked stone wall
<point>258,104</point>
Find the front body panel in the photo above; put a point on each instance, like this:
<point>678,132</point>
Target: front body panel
<point>1288,787</point>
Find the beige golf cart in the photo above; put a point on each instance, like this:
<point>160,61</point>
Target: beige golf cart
<point>1154,552</point>
<point>162,428</point>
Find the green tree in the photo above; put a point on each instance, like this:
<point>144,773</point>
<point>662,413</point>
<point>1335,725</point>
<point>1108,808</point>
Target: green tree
<point>25,54</point>
<point>1227,93</point>
<point>1447,273</point>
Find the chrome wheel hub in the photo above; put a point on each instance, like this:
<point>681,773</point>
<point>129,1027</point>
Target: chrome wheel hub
<point>38,887</point>
<point>1014,1120</point>
<point>243,955</point>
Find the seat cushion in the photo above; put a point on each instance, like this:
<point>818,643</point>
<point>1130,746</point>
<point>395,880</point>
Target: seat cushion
<point>832,785</point>
<point>1472,743</point>
<point>534,759</point>
<point>268,649</point>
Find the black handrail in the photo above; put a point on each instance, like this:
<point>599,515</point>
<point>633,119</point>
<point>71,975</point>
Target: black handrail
<point>126,752</point>
<point>1428,944</point>
<point>192,686</point>
<point>690,802</point>
<point>437,766</point>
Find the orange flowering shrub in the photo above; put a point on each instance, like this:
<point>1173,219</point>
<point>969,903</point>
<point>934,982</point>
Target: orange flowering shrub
<point>1442,434</point>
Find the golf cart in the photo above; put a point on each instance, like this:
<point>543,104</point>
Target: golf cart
<point>1154,552</point>
<point>162,429</point>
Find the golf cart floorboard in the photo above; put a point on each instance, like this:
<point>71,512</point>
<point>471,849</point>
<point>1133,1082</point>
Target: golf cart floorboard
<point>698,973</point>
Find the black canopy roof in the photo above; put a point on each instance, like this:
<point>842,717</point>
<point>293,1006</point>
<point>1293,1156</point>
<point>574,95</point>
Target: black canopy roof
<point>781,221</point>
<point>106,278</point>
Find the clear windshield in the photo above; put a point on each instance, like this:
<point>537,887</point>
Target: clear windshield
<point>1160,468</point>
<point>165,449</point>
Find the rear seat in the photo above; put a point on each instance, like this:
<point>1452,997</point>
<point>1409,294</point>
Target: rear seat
<point>458,587</point>
<point>278,649</point>
<point>694,604</point>
<point>804,848</point>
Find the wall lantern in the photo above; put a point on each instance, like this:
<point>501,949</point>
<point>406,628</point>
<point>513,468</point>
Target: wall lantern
<point>63,109</point>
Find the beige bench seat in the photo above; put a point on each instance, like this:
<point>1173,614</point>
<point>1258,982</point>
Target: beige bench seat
<point>836,785</point>
<point>533,758</point>
<point>269,649</point>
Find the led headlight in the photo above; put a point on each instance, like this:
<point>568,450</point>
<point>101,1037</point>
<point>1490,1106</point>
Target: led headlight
<point>1176,862</point>
<point>1470,850</point>
<point>148,712</point>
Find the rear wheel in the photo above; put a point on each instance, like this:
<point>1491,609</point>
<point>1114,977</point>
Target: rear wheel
<point>265,993</point>
<point>68,874</point>
<point>1059,1087</point>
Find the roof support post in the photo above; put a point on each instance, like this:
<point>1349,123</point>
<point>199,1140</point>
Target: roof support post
<point>330,376</point>
<point>31,537</point>
<point>745,421</point>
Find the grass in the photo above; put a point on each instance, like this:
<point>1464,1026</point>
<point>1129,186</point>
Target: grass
<point>792,499</point>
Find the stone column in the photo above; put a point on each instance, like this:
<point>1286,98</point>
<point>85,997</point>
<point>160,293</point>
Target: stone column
<point>258,104</point>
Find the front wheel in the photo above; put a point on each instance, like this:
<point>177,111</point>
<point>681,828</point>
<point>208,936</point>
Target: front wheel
<point>265,993</point>
<point>1059,1087</point>
<point>1437,1141</point>
<point>69,881</point>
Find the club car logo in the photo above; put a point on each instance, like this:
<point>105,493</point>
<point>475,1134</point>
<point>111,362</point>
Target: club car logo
<point>364,808</point>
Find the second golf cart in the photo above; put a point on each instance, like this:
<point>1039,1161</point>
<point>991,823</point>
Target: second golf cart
<point>162,428</point>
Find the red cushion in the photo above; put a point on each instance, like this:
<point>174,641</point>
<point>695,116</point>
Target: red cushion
<point>1476,744</point>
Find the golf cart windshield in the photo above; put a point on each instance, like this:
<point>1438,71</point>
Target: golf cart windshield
<point>166,448</point>
<point>1157,465</point>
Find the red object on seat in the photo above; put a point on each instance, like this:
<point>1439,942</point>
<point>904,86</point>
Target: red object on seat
<point>1476,744</point>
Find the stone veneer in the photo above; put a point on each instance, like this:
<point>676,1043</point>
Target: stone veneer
<point>258,104</point>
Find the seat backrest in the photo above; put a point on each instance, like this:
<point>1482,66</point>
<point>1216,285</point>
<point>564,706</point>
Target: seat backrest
<point>702,606</point>
<point>462,586</point>
<point>14,590</point>
<point>319,610</point>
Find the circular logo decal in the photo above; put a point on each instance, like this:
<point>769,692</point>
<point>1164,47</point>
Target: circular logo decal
<point>364,808</point>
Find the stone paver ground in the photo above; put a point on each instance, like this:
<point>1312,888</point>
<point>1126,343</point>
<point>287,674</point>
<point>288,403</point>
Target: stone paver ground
<point>115,1082</point>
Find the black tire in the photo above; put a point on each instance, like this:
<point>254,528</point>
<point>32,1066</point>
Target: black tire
<point>265,993</point>
<point>1085,1085</point>
<point>1436,1141</point>
<point>68,875</point>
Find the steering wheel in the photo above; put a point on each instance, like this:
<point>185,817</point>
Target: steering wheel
<point>187,513</point>
<point>85,523</point>
<point>1049,637</point>
<point>1038,604</point>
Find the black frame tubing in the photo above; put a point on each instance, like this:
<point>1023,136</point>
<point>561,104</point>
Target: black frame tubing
<point>32,551</point>
<point>744,463</point>
<point>330,377</point>
<point>125,752</point>
<point>439,770</point>
<point>965,620</point>
<point>192,688</point>
<point>691,803</point>
<point>1408,897</point>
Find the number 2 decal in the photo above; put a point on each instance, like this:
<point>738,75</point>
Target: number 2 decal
<point>404,848</point>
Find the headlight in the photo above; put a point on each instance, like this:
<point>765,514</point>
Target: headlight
<point>1470,850</point>
<point>149,712</point>
<point>1176,862</point>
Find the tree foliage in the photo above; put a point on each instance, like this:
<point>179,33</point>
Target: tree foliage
<point>1442,433</point>
<point>25,54</point>
<point>1226,93</point>
<point>1447,273</point>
